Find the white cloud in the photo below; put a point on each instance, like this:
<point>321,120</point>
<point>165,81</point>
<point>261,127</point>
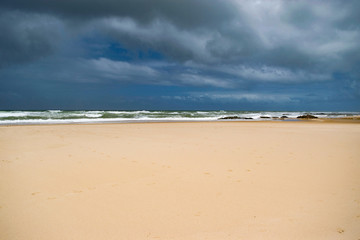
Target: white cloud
<point>241,96</point>
<point>273,74</point>
<point>120,70</point>
<point>201,80</point>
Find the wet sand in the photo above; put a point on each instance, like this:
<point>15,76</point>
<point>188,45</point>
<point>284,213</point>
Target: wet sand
<point>210,180</point>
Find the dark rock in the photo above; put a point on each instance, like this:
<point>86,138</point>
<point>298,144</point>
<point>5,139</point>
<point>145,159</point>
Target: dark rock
<point>264,117</point>
<point>284,117</point>
<point>307,116</point>
<point>230,117</point>
<point>234,117</point>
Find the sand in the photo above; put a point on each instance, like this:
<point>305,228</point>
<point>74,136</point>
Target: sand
<point>216,180</point>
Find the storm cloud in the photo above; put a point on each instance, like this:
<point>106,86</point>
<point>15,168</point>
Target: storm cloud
<point>211,44</point>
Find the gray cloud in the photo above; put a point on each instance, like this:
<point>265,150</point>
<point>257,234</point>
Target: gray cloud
<point>185,13</point>
<point>215,43</point>
<point>179,45</point>
<point>241,96</point>
<point>105,70</point>
<point>27,36</point>
<point>290,34</point>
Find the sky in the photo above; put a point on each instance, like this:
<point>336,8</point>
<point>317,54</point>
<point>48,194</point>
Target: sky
<point>247,55</point>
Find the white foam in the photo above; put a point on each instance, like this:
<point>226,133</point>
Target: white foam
<point>58,116</point>
<point>54,111</point>
<point>15,114</point>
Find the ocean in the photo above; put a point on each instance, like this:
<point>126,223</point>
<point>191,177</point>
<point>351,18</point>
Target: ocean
<point>60,116</point>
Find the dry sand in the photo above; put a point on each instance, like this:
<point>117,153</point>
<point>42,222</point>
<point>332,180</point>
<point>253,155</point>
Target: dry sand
<point>220,180</point>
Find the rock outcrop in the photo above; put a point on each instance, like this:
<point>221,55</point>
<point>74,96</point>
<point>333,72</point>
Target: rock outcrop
<point>307,116</point>
<point>234,117</point>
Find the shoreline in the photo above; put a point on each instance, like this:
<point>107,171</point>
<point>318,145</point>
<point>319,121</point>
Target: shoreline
<point>84,117</point>
<point>355,120</point>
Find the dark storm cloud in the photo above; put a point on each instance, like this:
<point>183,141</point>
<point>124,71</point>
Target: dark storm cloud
<point>144,15</point>
<point>298,35</point>
<point>185,13</point>
<point>292,34</point>
<point>221,44</point>
<point>27,36</point>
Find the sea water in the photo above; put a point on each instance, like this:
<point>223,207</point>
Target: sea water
<point>60,116</point>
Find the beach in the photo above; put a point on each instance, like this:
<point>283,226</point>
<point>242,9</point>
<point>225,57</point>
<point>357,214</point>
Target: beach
<point>194,180</point>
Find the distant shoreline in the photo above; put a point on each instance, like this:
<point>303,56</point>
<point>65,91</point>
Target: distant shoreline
<point>355,120</point>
